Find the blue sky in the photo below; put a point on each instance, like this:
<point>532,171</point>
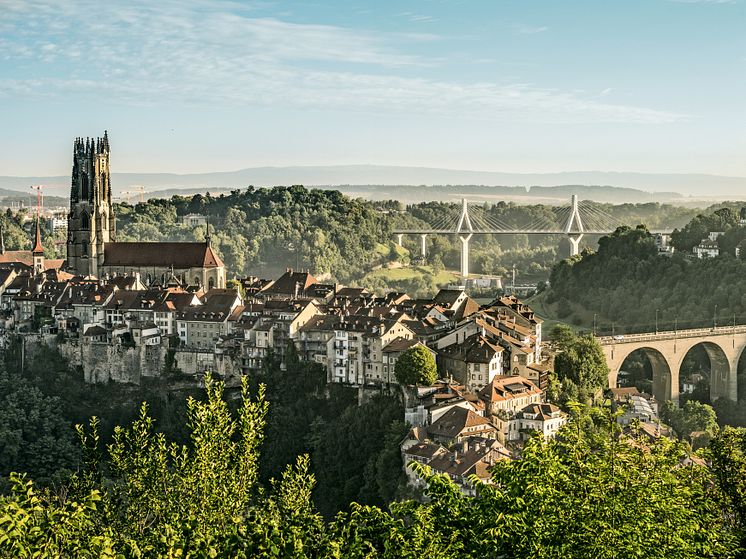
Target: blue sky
<point>504,85</point>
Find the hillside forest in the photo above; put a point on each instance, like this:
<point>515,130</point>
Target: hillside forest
<point>261,231</point>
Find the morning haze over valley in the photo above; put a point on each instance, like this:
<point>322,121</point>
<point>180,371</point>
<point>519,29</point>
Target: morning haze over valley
<point>422,279</point>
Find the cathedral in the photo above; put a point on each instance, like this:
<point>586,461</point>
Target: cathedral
<point>92,249</point>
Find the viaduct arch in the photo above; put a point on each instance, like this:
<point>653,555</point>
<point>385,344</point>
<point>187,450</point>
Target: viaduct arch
<point>666,352</point>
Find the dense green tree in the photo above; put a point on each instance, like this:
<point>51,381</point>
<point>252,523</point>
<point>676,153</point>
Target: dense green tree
<point>702,225</point>
<point>580,365</point>
<point>629,288</point>
<point>416,366</point>
<point>356,456</point>
<point>728,454</point>
<point>692,417</point>
<point>592,492</point>
<point>34,435</point>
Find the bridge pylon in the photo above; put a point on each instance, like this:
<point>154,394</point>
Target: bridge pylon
<point>465,254</point>
<point>574,227</point>
<point>465,232</point>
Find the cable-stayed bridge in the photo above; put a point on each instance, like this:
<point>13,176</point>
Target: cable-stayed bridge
<point>573,221</point>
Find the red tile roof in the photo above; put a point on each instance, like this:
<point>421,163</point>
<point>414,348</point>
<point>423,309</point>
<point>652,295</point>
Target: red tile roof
<point>508,387</point>
<point>178,255</point>
<point>22,256</point>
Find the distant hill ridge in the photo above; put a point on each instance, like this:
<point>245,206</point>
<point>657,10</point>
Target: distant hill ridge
<point>374,180</point>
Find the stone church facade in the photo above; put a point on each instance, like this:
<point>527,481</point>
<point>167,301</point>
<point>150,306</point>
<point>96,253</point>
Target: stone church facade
<point>92,249</point>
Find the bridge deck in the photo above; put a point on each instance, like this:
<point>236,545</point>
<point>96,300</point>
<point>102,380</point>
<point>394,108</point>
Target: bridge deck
<point>671,335</point>
<point>505,232</point>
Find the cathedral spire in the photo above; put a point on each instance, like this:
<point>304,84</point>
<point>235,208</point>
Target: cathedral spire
<point>207,232</point>
<point>2,240</point>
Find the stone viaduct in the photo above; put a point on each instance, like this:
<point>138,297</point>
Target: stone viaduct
<point>666,352</point>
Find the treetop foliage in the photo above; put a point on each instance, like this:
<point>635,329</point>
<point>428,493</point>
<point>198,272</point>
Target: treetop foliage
<point>416,366</point>
<point>592,492</point>
<point>264,230</point>
<point>579,365</point>
<point>626,282</point>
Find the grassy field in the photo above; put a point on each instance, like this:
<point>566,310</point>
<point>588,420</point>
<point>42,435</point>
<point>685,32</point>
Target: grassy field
<point>384,251</point>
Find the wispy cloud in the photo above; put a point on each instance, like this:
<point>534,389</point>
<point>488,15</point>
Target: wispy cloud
<point>529,29</point>
<point>418,18</point>
<point>202,52</point>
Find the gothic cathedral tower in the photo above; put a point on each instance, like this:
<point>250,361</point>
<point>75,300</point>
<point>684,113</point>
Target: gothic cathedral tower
<point>90,223</point>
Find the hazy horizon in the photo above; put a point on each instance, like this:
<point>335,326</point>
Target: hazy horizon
<point>201,86</point>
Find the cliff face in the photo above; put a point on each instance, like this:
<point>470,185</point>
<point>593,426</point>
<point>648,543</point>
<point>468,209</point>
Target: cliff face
<point>103,362</point>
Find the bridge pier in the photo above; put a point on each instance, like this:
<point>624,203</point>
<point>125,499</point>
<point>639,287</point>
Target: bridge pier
<point>465,255</point>
<point>399,237</point>
<point>574,243</point>
<point>423,238</point>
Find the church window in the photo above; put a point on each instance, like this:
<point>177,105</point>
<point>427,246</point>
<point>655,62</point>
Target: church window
<point>84,187</point>
<point>84,221</point>
<point>211,283</point>
<point>84,249</point>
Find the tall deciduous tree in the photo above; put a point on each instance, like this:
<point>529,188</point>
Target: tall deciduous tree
<point>728,453</point>
<point>416,366</point>
<point>580,364</point>
<point>692,417</point>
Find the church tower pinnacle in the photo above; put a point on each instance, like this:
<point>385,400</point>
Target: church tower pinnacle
<point>91,222</point>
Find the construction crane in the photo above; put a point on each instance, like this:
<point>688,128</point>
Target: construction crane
<point>40,196</point>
